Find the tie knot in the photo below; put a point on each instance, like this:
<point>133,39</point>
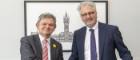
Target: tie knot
<point>44,41</point>
<point>92,30</point>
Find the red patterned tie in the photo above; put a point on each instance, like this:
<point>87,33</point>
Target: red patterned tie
<point>45,50</point>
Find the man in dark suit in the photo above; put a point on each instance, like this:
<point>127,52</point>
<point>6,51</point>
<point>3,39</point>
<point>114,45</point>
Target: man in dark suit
<point>41,46</point>
<point>97,41</point>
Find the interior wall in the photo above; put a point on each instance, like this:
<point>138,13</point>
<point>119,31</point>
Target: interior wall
<point>125,14</point>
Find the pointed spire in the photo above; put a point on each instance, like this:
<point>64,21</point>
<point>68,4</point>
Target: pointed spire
<point>66,18</point>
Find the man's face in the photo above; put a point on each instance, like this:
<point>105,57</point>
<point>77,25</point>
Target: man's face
<point>46,26</point>
<point>88,15</point>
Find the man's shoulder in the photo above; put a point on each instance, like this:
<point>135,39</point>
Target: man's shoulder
<point>28,37</point>
<point>107,26</point>
<point>81,29</point>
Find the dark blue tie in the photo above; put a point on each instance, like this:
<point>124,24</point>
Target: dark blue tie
<point>93,45</point>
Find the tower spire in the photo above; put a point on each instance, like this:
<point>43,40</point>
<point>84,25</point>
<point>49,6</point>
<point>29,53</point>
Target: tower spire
<point>66,26</point>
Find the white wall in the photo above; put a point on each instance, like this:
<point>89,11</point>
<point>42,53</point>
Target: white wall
<point>124,13</point>
<point>11,28</point>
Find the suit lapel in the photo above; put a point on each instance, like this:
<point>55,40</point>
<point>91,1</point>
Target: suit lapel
<point>37,46</point>
<point>102,37</point>
<point>81,41</point>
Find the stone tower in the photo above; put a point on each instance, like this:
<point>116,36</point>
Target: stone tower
<point>66,27</point>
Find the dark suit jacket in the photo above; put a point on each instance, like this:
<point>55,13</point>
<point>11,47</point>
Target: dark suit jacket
<point>31,49</point>
<point>109,39</point>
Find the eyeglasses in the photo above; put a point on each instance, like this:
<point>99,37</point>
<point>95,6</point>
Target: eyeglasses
<point>89,13</point>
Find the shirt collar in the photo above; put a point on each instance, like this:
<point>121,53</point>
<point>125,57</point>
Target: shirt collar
<point>42,38</point>
<point>94,27</point>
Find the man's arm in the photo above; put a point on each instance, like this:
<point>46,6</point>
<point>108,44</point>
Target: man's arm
<point>74,54</point>
<point>121,47</point>
<point>26,50</point>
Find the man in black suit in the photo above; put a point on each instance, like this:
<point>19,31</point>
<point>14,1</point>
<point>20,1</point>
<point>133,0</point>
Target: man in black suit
<point>41,46</point>
<point>96,40</point>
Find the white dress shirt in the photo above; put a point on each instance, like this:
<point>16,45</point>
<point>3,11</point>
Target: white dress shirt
<point>41,40</point>
<point>87,51</point>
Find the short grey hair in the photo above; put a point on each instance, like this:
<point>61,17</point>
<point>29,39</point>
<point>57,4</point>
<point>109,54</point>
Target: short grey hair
<point>87,3</point>
<point>46,15</point>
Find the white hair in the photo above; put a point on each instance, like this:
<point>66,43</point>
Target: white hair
<point>87,3</point>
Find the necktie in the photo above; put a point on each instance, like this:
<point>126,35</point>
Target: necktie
<point>45,50</point>
<point>93,45</point>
